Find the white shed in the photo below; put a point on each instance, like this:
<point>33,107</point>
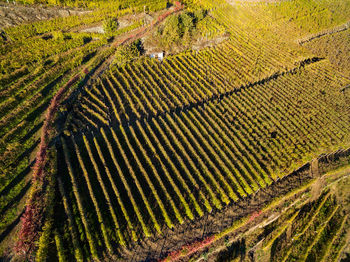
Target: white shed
<point>159,56</point>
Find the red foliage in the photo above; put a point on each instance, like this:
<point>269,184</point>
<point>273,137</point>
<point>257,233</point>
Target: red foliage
<point>254,215</point>
<point>31,222</point>
<point>86,71</point>
<point>194,247</point>
<point>189,249</point>
<point>33,215</point>
<point>177,3</point>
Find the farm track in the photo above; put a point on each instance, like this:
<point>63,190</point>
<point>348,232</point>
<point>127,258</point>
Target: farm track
<point>19,179</point>
<point>191,137</point>
<point>335,30</point>
<point>268,215</point>
<point>132,36</point>
<point>216,221</point>
<point>106,62</point>
<point>161,154</point>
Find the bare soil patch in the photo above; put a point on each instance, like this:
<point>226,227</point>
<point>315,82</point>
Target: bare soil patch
<point>151,46</point>
<point>15,14</point>
<point>124,21</point>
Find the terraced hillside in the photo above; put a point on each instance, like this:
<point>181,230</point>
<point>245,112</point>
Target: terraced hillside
<point>313,227</point>
<point>209,153</point>
<point>37,59</point>
<point>335,47</point>
<point>107,153</point>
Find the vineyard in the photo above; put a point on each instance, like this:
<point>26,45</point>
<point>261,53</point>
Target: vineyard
<point>107,153</point>
<point>36,60</point>
<point>202,152</point>
<point>333,47</point>
<point>310,229</point>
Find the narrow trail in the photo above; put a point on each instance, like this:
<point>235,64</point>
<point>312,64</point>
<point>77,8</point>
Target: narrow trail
<point>314,168</point>
<point>270,219</point>
<point>158,247</point>
<point>32,218</point>
<point>300,176</point>
<point>134,35</point>
<point>335,30</point>
<point>96,72</point>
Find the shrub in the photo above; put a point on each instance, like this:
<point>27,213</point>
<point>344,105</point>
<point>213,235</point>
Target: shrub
<point>200,14</point>
<point>110,25</point>
<point>127,53</point>
<point>179,29</point>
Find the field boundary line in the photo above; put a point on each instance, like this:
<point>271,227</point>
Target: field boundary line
<point>323,33</point>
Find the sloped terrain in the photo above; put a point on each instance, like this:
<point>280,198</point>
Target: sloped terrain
<point>313,228</point>
<point>15,14</point>
<point>107,153</point>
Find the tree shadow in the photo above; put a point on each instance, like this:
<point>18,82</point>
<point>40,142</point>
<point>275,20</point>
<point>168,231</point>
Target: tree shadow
<point>16,180</point>
<point>10,227</point>
<point>235,250</point>
<point>16,199</point>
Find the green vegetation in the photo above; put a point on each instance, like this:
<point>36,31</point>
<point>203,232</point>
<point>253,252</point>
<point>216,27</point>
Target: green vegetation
<point>179,29</point>
<point>36,60</point>
<point>120,4</point>
<point>307,231</point>
<point>308,226</point>
<point>216,161</point>
<point>142,149</point>
<point>110,25</point>
<point>127,53</point>
<point>334,47</point>
<point>304,12</point>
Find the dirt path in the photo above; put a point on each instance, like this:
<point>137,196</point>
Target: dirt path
<point>314,168</point>
<point>152,249</point>
<point>247,229</point>
<point>211,224</point>
<point>297,198</point>
<point>271,215</point>
<point>334,30</point>
<point>129,38</point>
<point>83,74</point>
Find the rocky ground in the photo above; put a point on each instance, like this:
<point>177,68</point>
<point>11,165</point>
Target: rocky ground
<point>14,14</point>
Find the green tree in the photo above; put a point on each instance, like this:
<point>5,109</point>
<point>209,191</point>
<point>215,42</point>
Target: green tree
<point>110,25</point>
<point>126,53</point>
<point>171,32</point>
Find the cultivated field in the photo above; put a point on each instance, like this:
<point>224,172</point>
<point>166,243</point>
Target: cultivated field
<point>107,153</point>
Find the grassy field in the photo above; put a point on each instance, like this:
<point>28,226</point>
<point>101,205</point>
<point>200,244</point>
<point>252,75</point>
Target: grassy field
<point>132,150</point>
